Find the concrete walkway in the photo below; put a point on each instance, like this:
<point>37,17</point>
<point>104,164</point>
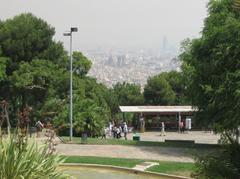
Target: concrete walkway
<point>200,137</point>
<point>143,152</point>
<point>119,151</point>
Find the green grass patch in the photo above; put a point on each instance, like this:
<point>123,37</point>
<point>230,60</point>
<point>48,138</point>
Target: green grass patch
<point>177,168</point>
<point>98,141</point>
<point>120,162</point>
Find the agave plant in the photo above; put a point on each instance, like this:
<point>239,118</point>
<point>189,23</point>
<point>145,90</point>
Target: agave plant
<point>29,162</point>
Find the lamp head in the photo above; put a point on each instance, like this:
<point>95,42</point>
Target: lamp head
<point>74,29</point>
<point>67,33</point>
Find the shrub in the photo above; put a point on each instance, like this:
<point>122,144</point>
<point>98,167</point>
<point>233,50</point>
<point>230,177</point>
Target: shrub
<point>27,160</point>
<point>223,164</point>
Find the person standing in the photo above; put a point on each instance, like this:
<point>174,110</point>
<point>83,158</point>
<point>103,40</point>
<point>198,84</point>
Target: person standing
<point>110,129</point>
<point>125,130</point>
<point>39,125</point>
<point>162,129</point>
<point>181,127</point>
<point>118,132</point>
<point>104,133</point>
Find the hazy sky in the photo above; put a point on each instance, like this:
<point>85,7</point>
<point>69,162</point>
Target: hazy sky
<point>116,23</point>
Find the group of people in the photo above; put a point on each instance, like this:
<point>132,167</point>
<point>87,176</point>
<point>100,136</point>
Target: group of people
<point>116,131</point>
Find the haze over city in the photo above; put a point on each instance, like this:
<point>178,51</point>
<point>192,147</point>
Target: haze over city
<point>116,24</point>
<point>126,40</point>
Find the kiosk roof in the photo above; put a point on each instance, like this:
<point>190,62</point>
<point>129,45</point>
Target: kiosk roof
<point>157,109</point>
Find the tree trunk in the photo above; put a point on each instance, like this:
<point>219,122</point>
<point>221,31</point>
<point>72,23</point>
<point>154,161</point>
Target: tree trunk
<point>7,118</point>
<point>23,105</point>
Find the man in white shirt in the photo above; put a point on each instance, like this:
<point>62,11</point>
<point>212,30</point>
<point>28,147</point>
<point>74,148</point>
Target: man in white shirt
<point>125,130</point>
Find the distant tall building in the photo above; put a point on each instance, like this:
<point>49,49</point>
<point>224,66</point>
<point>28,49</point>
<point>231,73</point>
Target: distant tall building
<point>110,61</point>
<point>164,44</point>
<point>121,60</point>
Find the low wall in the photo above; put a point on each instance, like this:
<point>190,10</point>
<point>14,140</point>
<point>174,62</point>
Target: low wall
<point>123,169</point>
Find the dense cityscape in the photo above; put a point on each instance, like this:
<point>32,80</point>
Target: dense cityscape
<point>132,67</point>
<point>120,89</point>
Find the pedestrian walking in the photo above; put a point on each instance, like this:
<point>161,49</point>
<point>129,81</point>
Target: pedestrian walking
<point>110,129</point>
<point>162,129</point>
<point>125,130</point>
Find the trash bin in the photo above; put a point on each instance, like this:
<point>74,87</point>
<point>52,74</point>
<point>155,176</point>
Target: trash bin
<point>84,138</point>
<point>32,130</point>
<point>136,137</point>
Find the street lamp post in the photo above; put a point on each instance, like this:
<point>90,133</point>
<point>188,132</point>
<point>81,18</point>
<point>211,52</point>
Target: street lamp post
<point>72,29</point>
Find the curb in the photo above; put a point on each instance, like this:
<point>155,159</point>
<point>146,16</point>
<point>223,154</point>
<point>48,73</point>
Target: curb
<point>123,169</point>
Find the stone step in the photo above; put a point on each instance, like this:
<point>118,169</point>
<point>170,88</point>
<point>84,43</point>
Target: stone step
<point>145,165</point>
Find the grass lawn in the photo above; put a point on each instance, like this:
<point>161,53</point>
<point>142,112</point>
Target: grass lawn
<point>98,141</point>
<point>177,168</point>
<point>120,162</point>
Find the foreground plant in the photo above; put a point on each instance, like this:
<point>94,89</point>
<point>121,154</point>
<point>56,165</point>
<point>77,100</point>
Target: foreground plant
<point>223,164</point>
<point>28,161</point>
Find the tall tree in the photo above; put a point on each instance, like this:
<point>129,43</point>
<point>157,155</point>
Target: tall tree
<point>81,65</point>
<point>36,80</point>
<point>157,91</point>
<point>3,66</point>
<point>128,94</point>
<point>34,72</point>
<point>178,84</point>
<point>213,63</point>
<point>25,37</point>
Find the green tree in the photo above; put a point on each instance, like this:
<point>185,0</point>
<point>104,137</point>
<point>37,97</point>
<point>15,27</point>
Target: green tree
<point>34,71</point>
<point>112,100</point>
<point>25,79</point>
<point>25,37</point>
<point>128,94</point>
<point>213,64</point>
<point>90,108</point>
<point>176,81</point>
<point>36,80</point>
<point>211,69</point>
<point>157,91</point>
<point>81,65</point>
<point>3,65</point>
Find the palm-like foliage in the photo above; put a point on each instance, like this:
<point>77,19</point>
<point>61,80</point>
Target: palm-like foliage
<point>236,4</point>
<point>91,119</point>
<point>29,162</point>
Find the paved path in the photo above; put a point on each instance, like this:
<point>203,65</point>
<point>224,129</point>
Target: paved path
<point>143,152</point>
<point>119,151</point>
<point>197,136</point>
